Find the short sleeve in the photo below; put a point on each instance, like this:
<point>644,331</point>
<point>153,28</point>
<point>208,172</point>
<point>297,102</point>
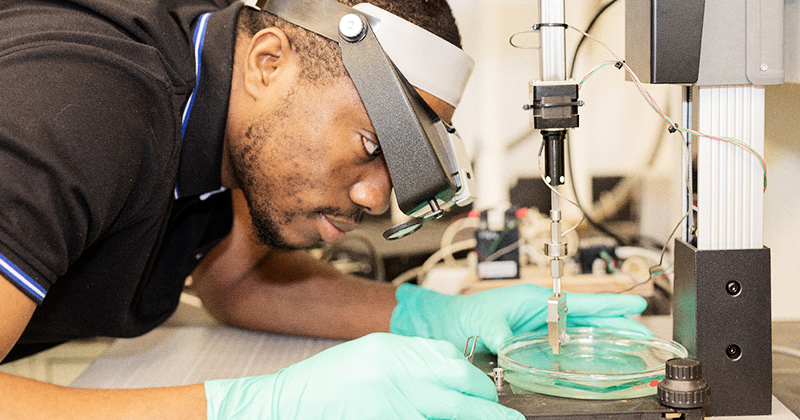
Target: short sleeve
<point>78,126</point>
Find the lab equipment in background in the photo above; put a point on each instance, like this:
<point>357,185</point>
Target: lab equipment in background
<point>721,253</point>
<point>427,160</point>
<point>554,97</point>
<point>498,239</point>
<point>555,109</point>
<point>723,50</point>
<point>592,264</point>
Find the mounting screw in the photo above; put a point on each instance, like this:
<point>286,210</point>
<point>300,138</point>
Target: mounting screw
<point>733,352</point>
<point>352,27</point>
<point>733,288</point>
<point>498,374</point>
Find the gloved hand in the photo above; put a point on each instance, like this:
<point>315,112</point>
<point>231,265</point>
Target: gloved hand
<point>498,314</point>
<point>380,376</point>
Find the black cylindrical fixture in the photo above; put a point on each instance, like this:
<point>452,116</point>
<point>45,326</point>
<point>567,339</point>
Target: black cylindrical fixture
<point>683,385</point>
<point>554,155</point>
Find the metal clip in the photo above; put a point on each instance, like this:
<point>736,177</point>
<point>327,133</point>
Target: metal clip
<point>471,353</point>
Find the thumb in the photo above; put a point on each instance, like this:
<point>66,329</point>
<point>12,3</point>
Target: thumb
<point>496,335</point>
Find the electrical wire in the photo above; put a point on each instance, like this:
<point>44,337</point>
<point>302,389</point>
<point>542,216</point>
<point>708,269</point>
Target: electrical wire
<point>375,256</point>
<point>663,271</point>
<point>525,135</point>
<point>651,160</point>
<point>417,272</point>
<point>515,34</point>
<point>620,63</point>
<point>502,251</point>
<point>583,38</point>
<point>453,230</point>
<point>585,35</point>
<point>673,127</point>
<point>493,247</point>
<point>586,215</point>
<point>612,267</point>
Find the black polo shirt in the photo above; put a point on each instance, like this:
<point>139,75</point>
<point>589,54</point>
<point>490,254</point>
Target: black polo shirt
<point>107,199</point>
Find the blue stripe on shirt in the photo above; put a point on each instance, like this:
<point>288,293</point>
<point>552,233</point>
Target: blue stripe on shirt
<point>21,279</point>
<point>198,39</point>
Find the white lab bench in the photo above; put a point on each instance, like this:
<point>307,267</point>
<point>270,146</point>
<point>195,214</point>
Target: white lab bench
<point>192,348</point>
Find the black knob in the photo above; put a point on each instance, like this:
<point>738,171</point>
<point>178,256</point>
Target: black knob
<point>683,385</point>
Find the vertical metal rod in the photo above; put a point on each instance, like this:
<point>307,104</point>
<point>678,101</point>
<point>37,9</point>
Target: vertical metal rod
<point>553,69</point>
<point>554,56</point>
<point>555,235</point>
<point>687,180</point>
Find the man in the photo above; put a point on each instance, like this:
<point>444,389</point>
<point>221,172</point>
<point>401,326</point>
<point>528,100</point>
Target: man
<point>126,166</point>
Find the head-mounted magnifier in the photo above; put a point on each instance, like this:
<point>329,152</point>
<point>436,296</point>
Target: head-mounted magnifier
<point>427,161</point>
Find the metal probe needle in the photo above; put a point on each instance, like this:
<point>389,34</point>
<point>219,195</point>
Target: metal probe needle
<point>557,303</point>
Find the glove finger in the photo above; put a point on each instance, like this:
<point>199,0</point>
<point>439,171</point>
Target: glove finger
<point>615,322</point>
<point>450,404</point>
<point>453,386</point>
<point>457,374</point>
<point>604,304</point>
<point>494,336</point>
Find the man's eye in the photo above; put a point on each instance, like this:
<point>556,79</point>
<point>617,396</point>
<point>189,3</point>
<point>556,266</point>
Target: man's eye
<point>373,149</point>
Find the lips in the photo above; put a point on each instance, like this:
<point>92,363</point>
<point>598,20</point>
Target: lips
<point>333,230</point>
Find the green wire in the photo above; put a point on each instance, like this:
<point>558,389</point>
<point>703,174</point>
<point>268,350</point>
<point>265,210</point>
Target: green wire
<point>496,243</point>
<point>676,127</point>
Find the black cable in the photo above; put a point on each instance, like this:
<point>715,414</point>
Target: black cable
<point>583,38</point>
<point>586,215</point>
<point>589,219</point>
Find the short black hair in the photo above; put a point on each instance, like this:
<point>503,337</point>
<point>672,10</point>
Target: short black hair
<point>321,57</point>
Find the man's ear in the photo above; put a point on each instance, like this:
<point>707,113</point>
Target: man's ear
<point>269,57</point>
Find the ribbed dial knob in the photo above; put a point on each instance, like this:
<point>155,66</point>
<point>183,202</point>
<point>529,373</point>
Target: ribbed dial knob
<point>683,385</point>
<point>683,369</point>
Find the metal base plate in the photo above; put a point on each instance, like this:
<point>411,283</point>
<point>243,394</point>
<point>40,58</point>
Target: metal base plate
<point>543,407</point>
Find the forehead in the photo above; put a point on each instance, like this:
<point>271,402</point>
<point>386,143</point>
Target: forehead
<point>441,108</point>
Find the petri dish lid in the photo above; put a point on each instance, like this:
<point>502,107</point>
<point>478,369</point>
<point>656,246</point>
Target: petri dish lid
<point>595,363</point>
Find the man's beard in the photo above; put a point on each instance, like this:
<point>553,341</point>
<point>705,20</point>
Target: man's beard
<point>257,190</point>
<point>266,229</point>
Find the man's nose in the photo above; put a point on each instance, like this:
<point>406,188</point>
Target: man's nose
<point>372,193</point>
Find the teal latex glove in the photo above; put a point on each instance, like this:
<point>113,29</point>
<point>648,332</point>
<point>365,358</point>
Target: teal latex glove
<point>498,314</point>
<point>380,376</point>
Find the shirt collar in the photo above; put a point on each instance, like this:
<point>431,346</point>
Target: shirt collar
<point>201,151</point>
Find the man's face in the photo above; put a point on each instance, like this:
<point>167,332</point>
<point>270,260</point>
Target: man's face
<point>311,166</point>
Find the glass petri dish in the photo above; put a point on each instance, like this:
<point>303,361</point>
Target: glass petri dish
<point>596,363</point>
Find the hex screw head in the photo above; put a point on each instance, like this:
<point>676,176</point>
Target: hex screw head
<point>352,27</point>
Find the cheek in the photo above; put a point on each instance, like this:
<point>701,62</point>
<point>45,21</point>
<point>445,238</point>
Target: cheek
<point>311,180</point>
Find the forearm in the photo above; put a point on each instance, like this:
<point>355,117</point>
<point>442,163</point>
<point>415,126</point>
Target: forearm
<point>293,293</point>
<point>22,398</point>
<point>250,285</point>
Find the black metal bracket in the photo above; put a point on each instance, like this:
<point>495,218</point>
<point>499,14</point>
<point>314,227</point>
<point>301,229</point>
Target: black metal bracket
<point>555,105</point>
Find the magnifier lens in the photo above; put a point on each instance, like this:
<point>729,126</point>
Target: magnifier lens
<point>403,229</point>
